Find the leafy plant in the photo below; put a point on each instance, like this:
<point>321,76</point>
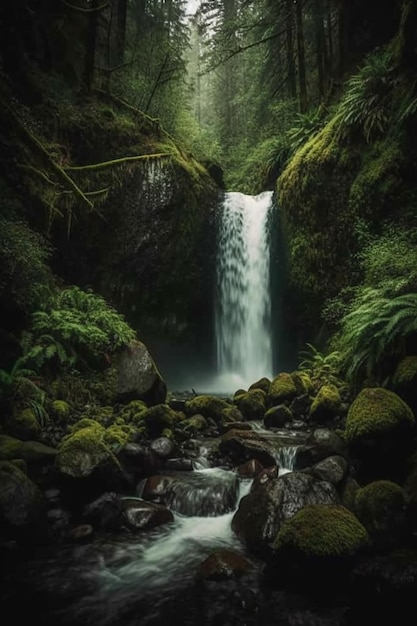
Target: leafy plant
<point>368,99</point>
<point>322,368</point>
<point>307,125</point>
<point>19,383</point>
<point>77,325</point>
<point>375,333</point>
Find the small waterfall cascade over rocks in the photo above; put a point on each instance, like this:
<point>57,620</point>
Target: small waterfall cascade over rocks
<point>243,312</point>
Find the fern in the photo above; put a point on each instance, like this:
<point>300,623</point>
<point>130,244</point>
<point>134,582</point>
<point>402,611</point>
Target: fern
<point>322,368</point>
<point>375,331</point>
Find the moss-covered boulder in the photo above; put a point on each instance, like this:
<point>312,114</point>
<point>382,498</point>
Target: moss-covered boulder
<point>282,390</point>
<point>263,511</point>
<point>316,548</point>
<point>22,510</point>
<point>59,410</point>
<point>196,423</point>
<point>137,376</point>
<point>326,404</point>
<point>84,454</point>
<point>160,417</point>
<point>404,381</point>
<point>23,424</point>
<point>277,416</point>
<point>252,404</point>
<point>31,451</point>
<point>263,384</point>
<point>209,406</point>
<point>375,412</point>
<point>303,382</point>
<point>380,506</point>
<point>379,431</point>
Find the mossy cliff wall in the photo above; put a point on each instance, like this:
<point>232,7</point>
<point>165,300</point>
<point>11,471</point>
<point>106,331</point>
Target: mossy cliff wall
<point>128,211</point>
<point>350,180</point>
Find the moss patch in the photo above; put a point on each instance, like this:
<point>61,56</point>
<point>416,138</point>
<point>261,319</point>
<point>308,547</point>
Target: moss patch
<point>322,531</point>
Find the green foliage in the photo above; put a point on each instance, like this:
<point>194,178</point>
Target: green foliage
<point>367,103</point>
<point>375,330</point>
<point>24,272</point>
<point>19,383</point>
<point>307,125</point>
<point>322,368</point>
<point>80,323</point>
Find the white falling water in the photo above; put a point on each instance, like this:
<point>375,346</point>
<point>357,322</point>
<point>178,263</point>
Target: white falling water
<point>244,350</point>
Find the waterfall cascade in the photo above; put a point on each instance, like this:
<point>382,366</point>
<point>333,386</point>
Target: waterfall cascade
<point>243,316</point>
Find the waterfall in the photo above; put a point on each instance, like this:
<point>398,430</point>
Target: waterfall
<point>243,315</point>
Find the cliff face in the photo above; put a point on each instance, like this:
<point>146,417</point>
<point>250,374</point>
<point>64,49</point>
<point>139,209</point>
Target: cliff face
<point>126,210</point>
<point>351,180</point>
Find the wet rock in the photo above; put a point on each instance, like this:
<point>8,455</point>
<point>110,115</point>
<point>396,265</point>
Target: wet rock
<point>249,469</point>
<point>235,426</point>
<point>182,465</point>
<point>321,443</point>
<point>80,533</point>
<point>222,565</point>
<point>333,469</point>
<point>263,384</point>
<point>104,512</point>
<point>252,404</point>
<point>22,510</point>
<point>264,476</point>
<point>300,406</point>
<point>163,447</point>
<point>262,512</point>
<point>137,376</point>
<point>195,424</point>
<point>140,515</point>
<point>277,416</point>
<point>243,445</point>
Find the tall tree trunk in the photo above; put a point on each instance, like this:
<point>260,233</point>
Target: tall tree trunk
<point>289,23</point>
<point>301,56</point>
<point>90,46</point>
<point>121,30</point>
<point>320,45</point>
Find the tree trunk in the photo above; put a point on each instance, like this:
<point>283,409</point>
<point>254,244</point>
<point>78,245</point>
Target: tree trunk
<point>292,86</point>
<point>301,56</point>
<point>121,30</point>
<point>90,47</point>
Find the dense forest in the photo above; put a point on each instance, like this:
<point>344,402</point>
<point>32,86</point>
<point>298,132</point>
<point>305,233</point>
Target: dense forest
<point>124,124</point>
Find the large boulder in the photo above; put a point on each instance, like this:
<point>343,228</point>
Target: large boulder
<point>243,445</point>
<point>22,510</point>
<point>251,404</point>
<point>404,381</point>
<point>315,546</point>
<point>212,407</point>
<point>380,506</point>
<point>379,431</point>
<point>137,376</point>
<point>326,404</point>
<point>262,512</point>
<point>282,390</point>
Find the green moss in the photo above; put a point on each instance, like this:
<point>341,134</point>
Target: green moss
<point>86,422</point>
<point>406,372</point>
<point>60,410</point>
<point>117,436</point>
<point>326,404</point>
<point>376,411</point>
<point>303,382</point>
<point>349,491</point>
<point>83,451</point>
<point>263,384</point>
<point>10,448</point>
<point>252,404</point>
<point>282,389</point>
<point>208,406</point>
<point>323,531</point>
<point>159,417</point>
<point>24,424</point>
<point>378,503</point>
<point>167,432</point>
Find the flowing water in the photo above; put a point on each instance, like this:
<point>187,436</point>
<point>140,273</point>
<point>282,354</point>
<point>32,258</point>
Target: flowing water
<point>243,317</point>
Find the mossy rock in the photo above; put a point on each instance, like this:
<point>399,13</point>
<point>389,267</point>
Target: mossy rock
<point>303,382</point>
<point>116,436</point>
<point>325,405</point>
<point>252,404</point>
<point>377,411</point>
<point>263,384</point>
<point>239,392</point>
<point>85,452</point>
<point>60,410</point>
<point>86,422</point>
<point>159,417</point>
<point>209,406</point>
<point>23,424</point>
<point>282,390</point>
<point>404,381</point>
<point>380,506</point>
<point>349,490</point>
<point>21,501</point>
<point>320,530</point>
<point>10,448</point>
<point>277,416</point>
<point>196,423</point>
<point>133,411</point>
